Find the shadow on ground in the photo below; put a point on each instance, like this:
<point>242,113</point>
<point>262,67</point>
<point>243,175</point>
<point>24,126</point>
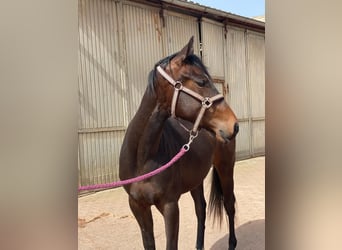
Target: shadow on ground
<point>250,236</point>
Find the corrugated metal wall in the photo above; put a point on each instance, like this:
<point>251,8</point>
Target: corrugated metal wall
<point>178,30</point>
<point>256,80</point>
<point>237,56</point>
<point>143,47</point>
<point>213,48</point>
<point>102,116</point>
<point>119,43</point>
<point>236,68</point>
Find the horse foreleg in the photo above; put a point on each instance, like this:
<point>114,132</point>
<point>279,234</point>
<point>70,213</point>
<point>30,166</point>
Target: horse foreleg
<point>143,215</point>
<point>170,212</point>
<point>200,208</point>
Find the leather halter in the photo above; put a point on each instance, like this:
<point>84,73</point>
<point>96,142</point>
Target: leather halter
<point>178,86</point>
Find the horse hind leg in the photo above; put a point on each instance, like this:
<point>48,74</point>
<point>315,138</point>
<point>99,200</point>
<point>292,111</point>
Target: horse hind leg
<point>200,208</point>
<point>230,209</point>
<point>143,215</point>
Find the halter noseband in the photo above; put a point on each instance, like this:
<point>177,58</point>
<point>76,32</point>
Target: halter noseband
<point>178,86</point>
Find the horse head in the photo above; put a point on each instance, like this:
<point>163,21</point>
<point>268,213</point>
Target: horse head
<point>186,89</point>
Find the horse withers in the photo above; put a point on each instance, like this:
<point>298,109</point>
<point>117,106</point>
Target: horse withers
<point>180,95</point>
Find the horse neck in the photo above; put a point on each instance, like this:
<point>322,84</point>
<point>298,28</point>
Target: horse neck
<point>144,131</point>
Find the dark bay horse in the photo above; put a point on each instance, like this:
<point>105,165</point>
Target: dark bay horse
<point>180,85</point>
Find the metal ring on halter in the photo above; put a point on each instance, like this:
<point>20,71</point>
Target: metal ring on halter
<point>186,147</point>
<point>207,102</point>
<point>178,85</point>
<point>193,134</point>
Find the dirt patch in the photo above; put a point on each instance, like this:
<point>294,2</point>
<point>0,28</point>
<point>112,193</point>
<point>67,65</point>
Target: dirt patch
<point>83,222</point>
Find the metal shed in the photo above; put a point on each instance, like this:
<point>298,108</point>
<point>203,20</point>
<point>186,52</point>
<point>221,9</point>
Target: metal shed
<point>119,43</point>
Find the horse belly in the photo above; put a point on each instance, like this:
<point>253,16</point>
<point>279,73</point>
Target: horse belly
<point>194,172</point>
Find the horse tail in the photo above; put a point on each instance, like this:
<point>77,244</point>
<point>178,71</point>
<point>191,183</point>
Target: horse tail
<point>216,198</point>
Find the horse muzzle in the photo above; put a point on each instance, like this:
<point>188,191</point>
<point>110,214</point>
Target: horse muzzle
<point>226,136</point>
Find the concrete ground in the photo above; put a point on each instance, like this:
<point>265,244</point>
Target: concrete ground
<point>106,222</point>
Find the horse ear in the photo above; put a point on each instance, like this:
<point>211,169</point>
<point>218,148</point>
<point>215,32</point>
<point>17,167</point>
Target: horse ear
<point>186,51</point>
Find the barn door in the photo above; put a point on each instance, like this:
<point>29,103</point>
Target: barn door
<point>256,85</point>
<point>246,78</point>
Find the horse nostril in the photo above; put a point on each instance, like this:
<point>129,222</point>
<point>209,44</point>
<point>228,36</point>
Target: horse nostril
<point>228,137</point>
<point>236,128</point>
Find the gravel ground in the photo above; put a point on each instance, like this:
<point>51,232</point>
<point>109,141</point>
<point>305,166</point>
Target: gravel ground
<point>106,222</point>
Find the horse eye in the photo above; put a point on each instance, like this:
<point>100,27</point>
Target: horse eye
<point>201,83</point>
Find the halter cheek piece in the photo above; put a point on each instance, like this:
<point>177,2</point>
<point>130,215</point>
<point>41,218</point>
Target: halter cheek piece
<point>205,101</point>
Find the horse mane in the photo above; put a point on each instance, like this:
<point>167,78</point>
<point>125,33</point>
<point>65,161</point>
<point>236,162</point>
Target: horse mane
<point>153,73</point>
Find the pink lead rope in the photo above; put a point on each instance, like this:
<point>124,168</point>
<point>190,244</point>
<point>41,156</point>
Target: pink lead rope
<point>181,152</point>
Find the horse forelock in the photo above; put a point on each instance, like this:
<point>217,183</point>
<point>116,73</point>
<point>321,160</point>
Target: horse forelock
<point>189,60</point>
<point>196,61</point>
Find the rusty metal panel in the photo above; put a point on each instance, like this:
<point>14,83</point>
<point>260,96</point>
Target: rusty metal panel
<point>220,87</point>
<point>98,157</point>
<point>236,78</point>
<point>143,47</point>
<point>213,47</point>
<point>100,85</point>
<point>179,28</point>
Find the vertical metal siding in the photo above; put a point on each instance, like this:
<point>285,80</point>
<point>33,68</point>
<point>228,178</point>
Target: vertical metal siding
<point>258,140</point>
<point>242,140</point>
<point>100,92</point>
<point>100,88</point>
<point>143,44</point>
<point>236,71</point>
<point>213,47</point>
<point>179,29</point>
<point>236,77</point>
<point>98,152</point>
<point>256,78</point>
<point>256,63</point>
